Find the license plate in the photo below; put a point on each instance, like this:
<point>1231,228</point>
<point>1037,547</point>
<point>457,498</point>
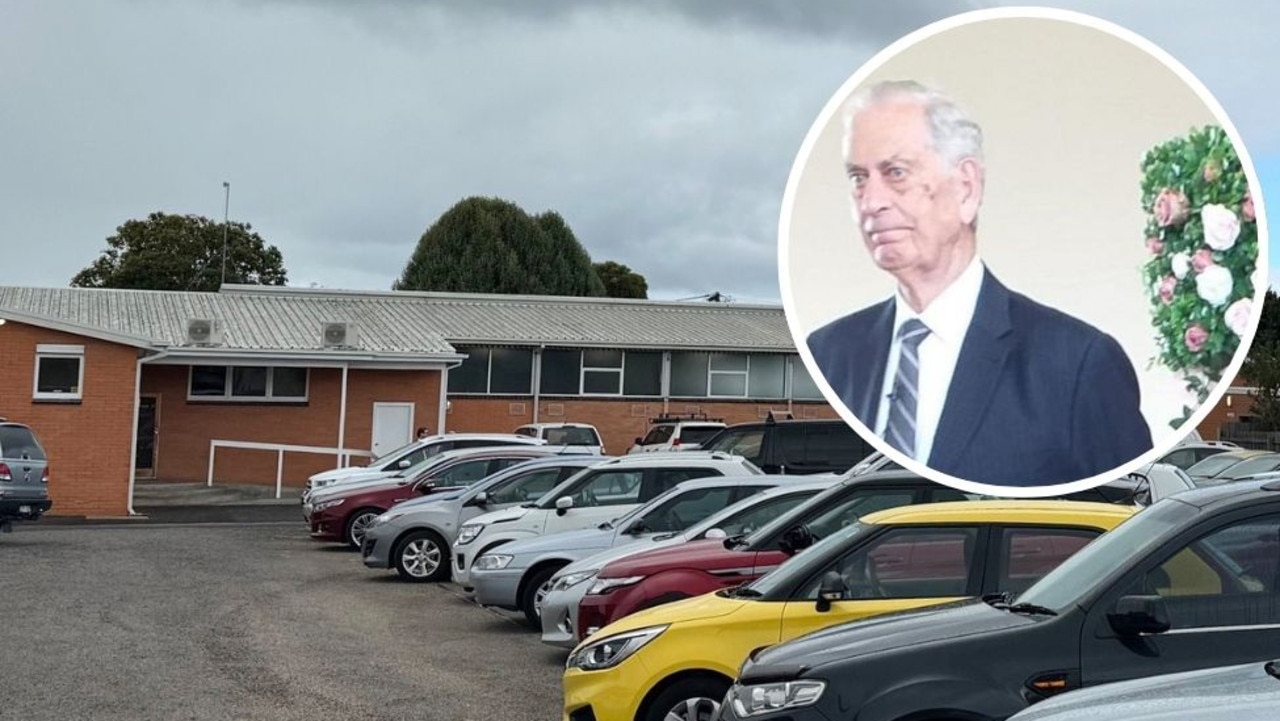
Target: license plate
<point>24,509</point>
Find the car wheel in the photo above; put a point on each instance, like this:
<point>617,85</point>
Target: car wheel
<point>358,524</point>
<point>693,699</point>
<point>535,590</point>
<point>422,556</point>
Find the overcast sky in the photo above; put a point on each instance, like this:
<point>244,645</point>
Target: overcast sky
<point>664,135</point>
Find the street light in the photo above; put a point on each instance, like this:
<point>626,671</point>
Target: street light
<point>226,207</point>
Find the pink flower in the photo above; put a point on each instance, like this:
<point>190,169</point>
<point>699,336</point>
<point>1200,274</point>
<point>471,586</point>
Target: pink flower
<point>1195,338</point>
<point>1166,289</point>
<point>1155,246</point>
<point>1246,208</point>
<point>1211,171</point>
<point>1171,208</point>
<point>1202,259</point>
<point>1238,316</point>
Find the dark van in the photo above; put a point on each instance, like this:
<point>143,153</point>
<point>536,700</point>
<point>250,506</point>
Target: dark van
<point>792,446</point>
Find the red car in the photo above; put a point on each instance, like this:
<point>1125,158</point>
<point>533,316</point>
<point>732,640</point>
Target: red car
<point>343,514</point>
<point>647,579</point>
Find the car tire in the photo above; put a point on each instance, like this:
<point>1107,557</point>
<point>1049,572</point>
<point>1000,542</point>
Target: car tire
<point>357,523</point>
<point>531,599</point>
<point>691,699</point>
<point>413,556</point>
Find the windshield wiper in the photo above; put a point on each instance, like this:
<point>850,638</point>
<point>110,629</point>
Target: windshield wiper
<point>606,526</point>
<point>530,504</point>
<point>1002,602</point>
<point>743,592</point>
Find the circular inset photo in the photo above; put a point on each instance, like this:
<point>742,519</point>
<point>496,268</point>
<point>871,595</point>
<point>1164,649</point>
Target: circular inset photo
<point>1022,251</point>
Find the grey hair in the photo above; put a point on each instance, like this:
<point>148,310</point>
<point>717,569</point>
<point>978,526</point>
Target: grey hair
<point>955,135</point>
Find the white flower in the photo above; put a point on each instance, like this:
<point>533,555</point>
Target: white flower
<point>1238,316</point>
<point>1181,264</point>
<point>1214,285</point>
<point>1221,226</point>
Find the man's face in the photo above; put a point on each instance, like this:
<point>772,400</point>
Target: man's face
<point>905,200</point>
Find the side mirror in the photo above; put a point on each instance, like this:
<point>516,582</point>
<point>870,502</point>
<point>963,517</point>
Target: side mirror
<point>795,539</point>
<point>479,499</point>
<point>1136,615</point>
<point>563,504</point>
<point>830,589</point>
<point>715,533</point>
<point>425,487</point>
<point>637,528</point>
<point>404,463</point>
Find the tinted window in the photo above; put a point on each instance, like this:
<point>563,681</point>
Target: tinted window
<point>462,474</point>
<point>697,434</point>
<point>687,509</point>
<point>643,374</point>
<point>208,381</point>
<point>58,375</point>
<point>822,445</point>
<point>608,488</point>
<point>1182,458</point>
<point>511,371</point>
<point>758,515</point>
<point>19,442</point>
<point>572,437</point>
<point>858,504</point>
<point>528,487</point>
<point>561,371</point>
<point>667,478</point>
<point>289,382</point>
<point>1213,465</point>
<point>249,381</point>
<point>746,443</point>
<point>657,435</point>
<point>942,494</point>
<point>1261,464</point>
<point>907,563</point>
<point>1026,554</point>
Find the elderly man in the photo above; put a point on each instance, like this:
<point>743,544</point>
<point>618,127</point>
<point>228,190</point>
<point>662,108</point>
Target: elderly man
<point>955,370</point>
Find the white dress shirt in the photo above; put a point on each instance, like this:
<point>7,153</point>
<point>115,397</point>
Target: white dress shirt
<point>947,319</point>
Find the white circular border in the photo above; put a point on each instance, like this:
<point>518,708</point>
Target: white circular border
<point>858,78</point>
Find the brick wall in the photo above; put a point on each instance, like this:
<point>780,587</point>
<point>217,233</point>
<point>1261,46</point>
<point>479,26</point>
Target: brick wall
<point>88,443</point>
<point>619,421</point>
<point>1222,413</point>
<point>185,428</point>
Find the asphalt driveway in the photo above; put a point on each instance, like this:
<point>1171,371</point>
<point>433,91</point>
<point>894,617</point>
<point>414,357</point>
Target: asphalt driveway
<point>247,622</point>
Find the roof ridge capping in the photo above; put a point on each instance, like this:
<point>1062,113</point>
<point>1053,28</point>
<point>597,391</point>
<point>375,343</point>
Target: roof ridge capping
<point>235,289</point>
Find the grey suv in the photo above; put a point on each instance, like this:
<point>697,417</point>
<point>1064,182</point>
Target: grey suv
<point>24,475</point>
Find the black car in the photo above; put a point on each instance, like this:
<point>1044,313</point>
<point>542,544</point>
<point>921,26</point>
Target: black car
<point>793,446</point>
<point>1191,582</point>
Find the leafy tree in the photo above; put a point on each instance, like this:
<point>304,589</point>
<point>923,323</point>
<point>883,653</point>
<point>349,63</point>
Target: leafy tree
<point>182,252</point>
<point>1262,369</point>
<point>620,281</point>
<point>490,245</point>
<point>1269,326</point>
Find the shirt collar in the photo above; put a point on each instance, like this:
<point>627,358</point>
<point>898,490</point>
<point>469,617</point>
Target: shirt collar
<point>949,314</point>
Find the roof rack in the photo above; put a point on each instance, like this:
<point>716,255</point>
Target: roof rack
<point>775,416</point>
<point>674,417</point>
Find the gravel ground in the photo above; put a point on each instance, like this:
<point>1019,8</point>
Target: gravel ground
<point>250,621</point>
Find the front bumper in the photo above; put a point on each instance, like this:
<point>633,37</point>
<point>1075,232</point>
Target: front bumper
<point>497,588</point>
<point>610,695</point>
<point>326,526</point>
<point>560,615</point>
<point>375,552</point>
<point>27,509</point>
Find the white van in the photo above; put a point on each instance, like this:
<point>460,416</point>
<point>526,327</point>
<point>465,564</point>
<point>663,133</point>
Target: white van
<point>565,434</point>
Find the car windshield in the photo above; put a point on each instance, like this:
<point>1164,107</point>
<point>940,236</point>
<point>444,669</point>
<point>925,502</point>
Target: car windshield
<point>19,442</point>
<point>745,443</point>
<point>697,434</point>
<point>1214,465</point>
<point>1261,464</point>
<point>789,574</point>
<point>395,453</point>
<point>786,520</point>
<point>571,437</point>
<point>1080,574</point>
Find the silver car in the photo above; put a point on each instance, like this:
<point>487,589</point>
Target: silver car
<point>516,575</point>
<point>414,537</point>
<point>570,584</point>
<point>24,475</point>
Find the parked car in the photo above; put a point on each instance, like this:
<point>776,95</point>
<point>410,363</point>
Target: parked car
<point>894,560</point>
<point>1187,455</point>
<point>414,453</point>
<point>663,575</point>
<point>343,514</point>
<point>414,537</point>
<point>669,433</point>
<point>877,461</point>
<point>600,493</point>
<point>564,434</point>
<point>516,576</point>
<point>791,446</point>
<point>1212,467</point>
<point>1255,466</point>
<point>1189,583</point>
<point>1248,692</point>
<point>570,584</point>
<point>24,475</point>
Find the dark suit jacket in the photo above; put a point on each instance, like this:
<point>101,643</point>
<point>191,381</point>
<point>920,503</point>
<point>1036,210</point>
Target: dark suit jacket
<point>1038,397</point>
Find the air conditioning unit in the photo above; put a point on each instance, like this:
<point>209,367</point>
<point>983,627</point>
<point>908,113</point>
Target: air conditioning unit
<point>204,331</point>
<point>339,335</point>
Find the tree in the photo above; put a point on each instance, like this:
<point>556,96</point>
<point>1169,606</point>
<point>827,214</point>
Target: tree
<point>490,245</point>
<point>182,252</point>
<point>620,281</point>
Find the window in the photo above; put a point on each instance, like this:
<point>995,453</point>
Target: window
<point>602,372</point>
<point>728,372</point>
<point>473,375</point>
<point>495,371</point>
<point>1026,554</point>
<point>572,436</point>
<point>687,509</point>
<point>668,478</point>
<point>642,375</point>
<point>746,443</point>
<point>766,377</point>
<point>528,487</point>
<point>19,442</point>
<point>802,385</point>
<point>689,374</point>
<point>561,371</point>
<point>758,515</point>
<point>462,474</point>
<point>657,435</point>
<point>908,563</point>
<point>861,503</point>
<point>609,488</point>
<point>247,383</point>
<point>59,372</point>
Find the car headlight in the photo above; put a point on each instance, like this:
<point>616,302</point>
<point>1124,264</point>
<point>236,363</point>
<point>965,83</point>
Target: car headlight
<point>572,579</point>
<point>468,532</point>
<point>609,652</point>
<point>605,585</point>
<point>764,698</point>
<point>492,562</point>
<point>328,504</point>
<point>386,518</point>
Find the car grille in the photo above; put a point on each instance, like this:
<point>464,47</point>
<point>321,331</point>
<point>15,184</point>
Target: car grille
<point>462,561</point>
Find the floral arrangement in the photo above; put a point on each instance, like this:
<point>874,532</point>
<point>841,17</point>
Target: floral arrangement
<point>1203,241</point>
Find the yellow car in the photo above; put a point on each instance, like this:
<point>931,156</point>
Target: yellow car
<point>677,661</point>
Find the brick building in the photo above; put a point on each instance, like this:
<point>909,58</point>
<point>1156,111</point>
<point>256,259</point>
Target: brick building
<point>266,385</point>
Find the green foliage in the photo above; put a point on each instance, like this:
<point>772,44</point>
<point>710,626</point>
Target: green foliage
<point>182,252</point>
<point>490,245</point>
<point>1182,178</point>
<point>620,281</point>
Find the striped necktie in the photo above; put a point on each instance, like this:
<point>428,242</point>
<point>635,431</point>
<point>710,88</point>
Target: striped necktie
<point>901,429</point>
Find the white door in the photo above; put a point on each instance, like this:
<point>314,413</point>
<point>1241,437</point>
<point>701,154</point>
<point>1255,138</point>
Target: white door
<point>392,426</point>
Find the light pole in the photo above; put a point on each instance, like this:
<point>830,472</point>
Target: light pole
<point>226,208</point>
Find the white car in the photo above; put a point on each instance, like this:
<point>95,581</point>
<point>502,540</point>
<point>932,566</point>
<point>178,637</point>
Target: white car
<point>565,434</point>
<point>600,493</point>
<point>671,434</point>
<point>413,454</point>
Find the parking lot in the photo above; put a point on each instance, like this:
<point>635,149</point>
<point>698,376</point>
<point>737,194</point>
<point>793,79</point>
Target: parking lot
<point>249,621</point>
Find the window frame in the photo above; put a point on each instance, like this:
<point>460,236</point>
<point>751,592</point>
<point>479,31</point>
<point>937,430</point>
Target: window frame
<point>583,369</point>
<point>269,397</point>
<point>58,351</point>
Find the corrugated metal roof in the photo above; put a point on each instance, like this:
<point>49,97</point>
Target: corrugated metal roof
<point>289,319</point>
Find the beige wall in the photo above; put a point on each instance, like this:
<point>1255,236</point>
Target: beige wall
<point>1067,112</point>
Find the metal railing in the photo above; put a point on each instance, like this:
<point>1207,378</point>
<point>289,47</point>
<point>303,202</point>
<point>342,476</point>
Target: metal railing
<point>1246,435</point>
<point>344,455</point>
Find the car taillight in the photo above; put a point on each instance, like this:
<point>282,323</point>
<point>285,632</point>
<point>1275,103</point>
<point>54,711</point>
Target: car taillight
<point>44,475</point>
<point>5,475</point>
<point>675,441</point>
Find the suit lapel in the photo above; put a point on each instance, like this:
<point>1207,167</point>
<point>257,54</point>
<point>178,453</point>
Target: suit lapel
<point>978,369</point>
<point>873,354</point>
